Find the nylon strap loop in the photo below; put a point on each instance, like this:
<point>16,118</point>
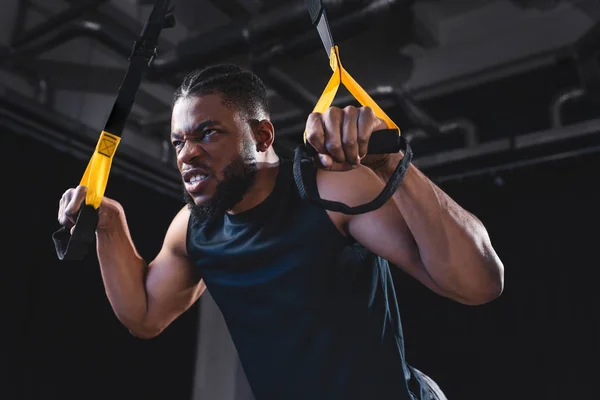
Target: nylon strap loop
<point>96,174</point>
<point>343,77</point>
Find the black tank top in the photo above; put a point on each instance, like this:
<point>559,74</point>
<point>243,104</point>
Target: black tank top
<point>312,315</point>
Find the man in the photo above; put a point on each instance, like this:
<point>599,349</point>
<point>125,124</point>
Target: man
<point>306,293</point>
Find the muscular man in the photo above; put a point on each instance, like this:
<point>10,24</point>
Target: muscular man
<point>309,318</point>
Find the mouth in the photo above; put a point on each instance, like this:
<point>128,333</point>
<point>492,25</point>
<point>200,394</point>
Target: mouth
<point>195,181</point>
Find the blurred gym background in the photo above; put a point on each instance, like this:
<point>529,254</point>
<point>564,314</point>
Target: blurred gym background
<point>500,100</point>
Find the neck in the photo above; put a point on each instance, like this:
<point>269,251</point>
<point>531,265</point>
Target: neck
<point>264,182</point>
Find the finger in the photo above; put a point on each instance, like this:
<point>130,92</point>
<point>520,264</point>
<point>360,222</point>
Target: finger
<point>368,122</point>
<point>365,125</point>
<point>323,161</point>
<point>62,205</point>
<point>315,135</point>
<point>332,122</point>
<point>350,135</point>
<point>341,167</point>
<point>74,204</point>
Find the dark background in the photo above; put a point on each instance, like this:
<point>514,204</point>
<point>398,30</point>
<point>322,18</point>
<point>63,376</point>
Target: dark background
<point>538,340</point>
<point>61,340</point>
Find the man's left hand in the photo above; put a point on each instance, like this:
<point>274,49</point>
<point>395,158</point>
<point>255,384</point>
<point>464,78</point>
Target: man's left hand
<point>341,137</point>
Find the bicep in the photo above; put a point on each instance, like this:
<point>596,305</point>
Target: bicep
<point>383,231</point>
<point>172,285</point>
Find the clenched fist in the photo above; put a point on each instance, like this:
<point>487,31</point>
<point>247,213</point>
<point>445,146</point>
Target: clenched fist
<point>70,204</point>
<point>341,137</point>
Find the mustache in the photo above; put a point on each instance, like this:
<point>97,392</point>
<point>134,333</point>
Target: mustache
<point>247,159</point>
<point>196,164</point>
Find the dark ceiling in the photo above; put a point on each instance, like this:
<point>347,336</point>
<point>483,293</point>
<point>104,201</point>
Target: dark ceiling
<point>453,74</point>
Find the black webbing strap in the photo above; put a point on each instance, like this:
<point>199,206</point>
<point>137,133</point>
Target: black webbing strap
<point>381,142</point>
<point>305,175</point>
<point>74,246</point>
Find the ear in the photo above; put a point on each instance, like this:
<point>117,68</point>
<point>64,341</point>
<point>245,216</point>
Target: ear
<point>264,132</point>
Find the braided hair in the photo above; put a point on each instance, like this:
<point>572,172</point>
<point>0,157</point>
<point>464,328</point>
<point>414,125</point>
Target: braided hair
<point>240,89</point>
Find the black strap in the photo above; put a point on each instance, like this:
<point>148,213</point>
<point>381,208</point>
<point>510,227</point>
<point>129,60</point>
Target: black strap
<point>305,175</point>
<point>143,52</point>
<point>315,8</point>
<point>380,142</point>
<point>75,246</point>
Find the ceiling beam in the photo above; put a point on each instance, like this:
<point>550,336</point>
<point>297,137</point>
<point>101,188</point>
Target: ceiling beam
<point>233,9</point>
<point>96,79</point>
<point>466,60</point>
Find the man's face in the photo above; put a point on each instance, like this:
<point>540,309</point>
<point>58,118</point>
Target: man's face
<point>215,154</point>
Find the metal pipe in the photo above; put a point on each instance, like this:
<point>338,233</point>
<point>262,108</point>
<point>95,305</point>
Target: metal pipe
<point>55,23</point>
<point>427,126</point>
<point>42,92</point>
<point>493,170</point>
<point>342,28</point>
<point>277,25</point>
<point>466,127</point>
<point>20,20</point>
<point>287,87</point>
<point>379,94</point>
<point>68,32</point>
<point>559,101</point>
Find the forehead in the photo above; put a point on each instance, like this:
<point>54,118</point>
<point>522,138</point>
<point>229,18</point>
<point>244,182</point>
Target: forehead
<point>190,111</point>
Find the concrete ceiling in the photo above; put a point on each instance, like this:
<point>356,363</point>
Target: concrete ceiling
<point>426,47</point>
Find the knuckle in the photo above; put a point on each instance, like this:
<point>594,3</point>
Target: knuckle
<point>313,135</point>
<point>349,140</point>
<point>368,111</point>
<point>314,116</point>
<point>362,139</point>
<point>350,117</point>
<point>332,112</point>
<point>333,147</point>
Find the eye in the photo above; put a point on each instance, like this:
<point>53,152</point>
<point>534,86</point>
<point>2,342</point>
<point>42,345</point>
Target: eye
<point>208,132</point>
<point>177,143</point>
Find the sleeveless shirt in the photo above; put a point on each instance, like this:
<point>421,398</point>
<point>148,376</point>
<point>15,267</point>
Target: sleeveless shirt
<point>313,315</point>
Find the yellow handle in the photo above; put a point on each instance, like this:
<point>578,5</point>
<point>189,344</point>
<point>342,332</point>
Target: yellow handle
<point>96,174</point>
<point>341,76</point>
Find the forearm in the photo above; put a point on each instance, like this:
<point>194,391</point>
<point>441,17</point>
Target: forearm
<point>454,245</point>
<point>123,272</point>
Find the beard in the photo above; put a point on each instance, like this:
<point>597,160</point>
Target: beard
<point>238,176</point>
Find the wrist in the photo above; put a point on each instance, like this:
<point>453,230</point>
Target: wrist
<point>111,217</point>
<point>387,165</point>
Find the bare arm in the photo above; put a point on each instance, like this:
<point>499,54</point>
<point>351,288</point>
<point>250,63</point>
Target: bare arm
<point>454,245</point>
<point>422,231</point>
<point>145,297</point>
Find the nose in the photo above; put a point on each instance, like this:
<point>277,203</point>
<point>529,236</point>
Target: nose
<point>190,151</point>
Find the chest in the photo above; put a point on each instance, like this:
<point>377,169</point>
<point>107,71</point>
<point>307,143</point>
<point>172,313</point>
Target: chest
<point>290,245</point>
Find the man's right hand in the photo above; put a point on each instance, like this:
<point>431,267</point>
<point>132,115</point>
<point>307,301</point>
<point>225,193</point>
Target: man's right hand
<point>70,204</point>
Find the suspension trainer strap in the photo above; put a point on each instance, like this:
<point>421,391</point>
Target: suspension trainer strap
<point>74,246</point>
<point>381,142</point>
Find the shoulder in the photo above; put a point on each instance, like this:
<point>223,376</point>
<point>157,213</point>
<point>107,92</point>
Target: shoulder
<point>353,187</point>
<point>176,235</point>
